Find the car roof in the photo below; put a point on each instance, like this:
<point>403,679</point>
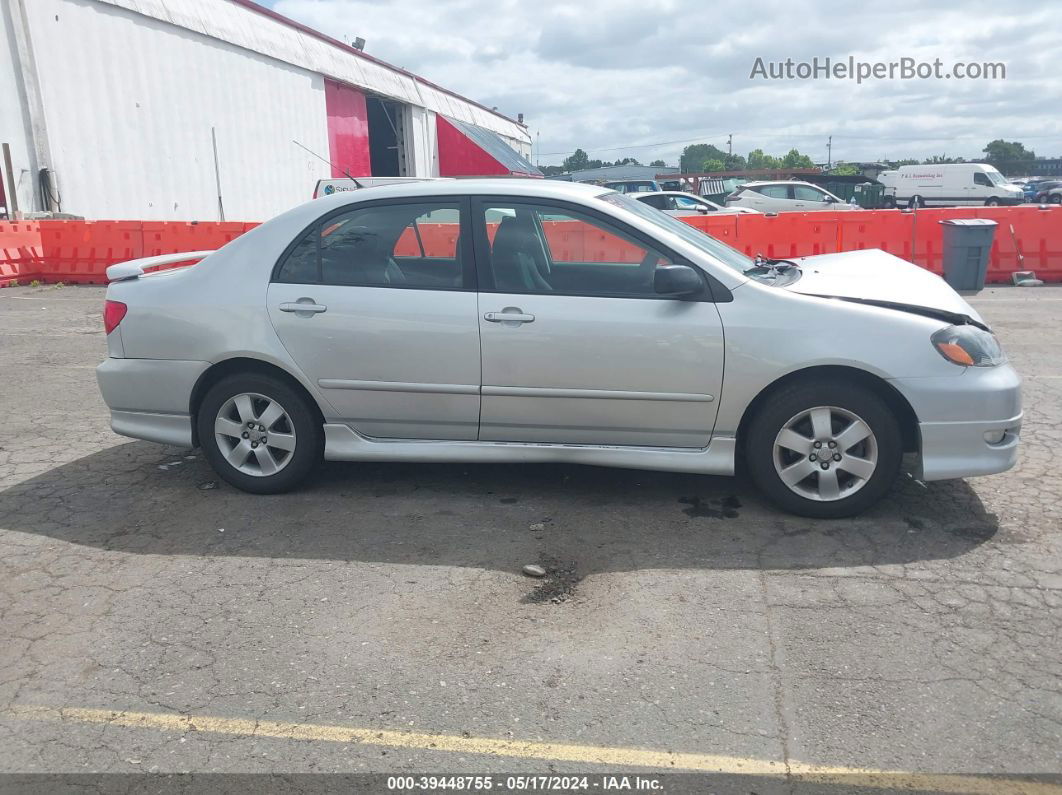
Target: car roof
<point>509,186</point>
<point>779,182</point>
<point>665,193</point>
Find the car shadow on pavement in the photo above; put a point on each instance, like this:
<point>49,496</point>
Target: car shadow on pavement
<point>142,498</point>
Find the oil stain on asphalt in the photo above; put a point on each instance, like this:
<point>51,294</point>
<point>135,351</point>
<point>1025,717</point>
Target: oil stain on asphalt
<point>713,508</point>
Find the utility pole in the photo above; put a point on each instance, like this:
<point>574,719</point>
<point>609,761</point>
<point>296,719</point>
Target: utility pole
<point>829,153</point>
<point>730,144</point>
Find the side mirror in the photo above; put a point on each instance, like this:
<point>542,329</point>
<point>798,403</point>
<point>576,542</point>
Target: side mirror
<point>830,200</point>
<point>703,209</point>
<point>677,280</point>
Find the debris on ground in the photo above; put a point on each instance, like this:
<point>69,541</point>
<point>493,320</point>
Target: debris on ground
<point>210,484</point>
<point>534,570</point>
<point>559,585</point>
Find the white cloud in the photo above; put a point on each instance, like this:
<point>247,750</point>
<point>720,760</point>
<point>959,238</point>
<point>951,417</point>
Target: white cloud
<point>599,75</point>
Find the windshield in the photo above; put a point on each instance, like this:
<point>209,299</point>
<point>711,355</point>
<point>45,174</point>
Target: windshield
<point>996,177</point>
<point>730,257</point>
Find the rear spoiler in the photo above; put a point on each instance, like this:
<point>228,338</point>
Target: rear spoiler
<point>135,268</point>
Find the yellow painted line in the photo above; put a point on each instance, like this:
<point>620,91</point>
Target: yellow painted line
<point>546,751</point>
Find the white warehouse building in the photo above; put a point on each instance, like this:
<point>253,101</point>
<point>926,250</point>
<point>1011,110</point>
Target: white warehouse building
<point>202,109</point>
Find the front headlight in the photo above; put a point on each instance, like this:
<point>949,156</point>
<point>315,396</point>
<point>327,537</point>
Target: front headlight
<point>969,346</point>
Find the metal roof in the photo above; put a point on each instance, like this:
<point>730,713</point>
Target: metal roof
<point>248,25</point>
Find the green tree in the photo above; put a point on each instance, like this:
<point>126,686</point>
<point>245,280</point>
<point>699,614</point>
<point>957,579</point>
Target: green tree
<point>757,159</point>
<point>794,159</point>
<point>845,170</point>
<point>694,155</point>
<point>713,164</point>
<point>658,164</point>
<point>576,161</point>
<point>1002,152</point>
<point>936,160</point>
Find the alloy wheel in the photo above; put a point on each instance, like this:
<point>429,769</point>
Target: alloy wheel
<point>255,434</point>
<point>825,453</point>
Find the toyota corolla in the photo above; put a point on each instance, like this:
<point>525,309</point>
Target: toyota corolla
<point>539,321</point>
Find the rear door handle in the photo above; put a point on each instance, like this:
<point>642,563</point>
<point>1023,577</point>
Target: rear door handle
<point>509,316</point>
<point>300,306</point>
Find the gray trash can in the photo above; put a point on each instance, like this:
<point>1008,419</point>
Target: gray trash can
<point>967,243</point>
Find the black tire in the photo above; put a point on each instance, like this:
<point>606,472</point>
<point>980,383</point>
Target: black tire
<point>992,202</point>
<point>773,415</point>
<point>1055,198</point>
<point>889,202</point>
<point>300,415</point>
<point>916,201</point>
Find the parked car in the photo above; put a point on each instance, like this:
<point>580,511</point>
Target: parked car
<point>679,203</point>
<point>785,196</point>
<point>634,185</point>
<point>1048,192</point>
<point>501,320</point>
<point>948,185</point>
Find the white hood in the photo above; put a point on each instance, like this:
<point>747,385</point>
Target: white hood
<point>875,275</point>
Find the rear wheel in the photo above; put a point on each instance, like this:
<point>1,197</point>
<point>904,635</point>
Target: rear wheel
<point>824,449</point>
<point>1055,198</point>
<point>992,202</point>
<point>259,434</point>
<point>916,201</point>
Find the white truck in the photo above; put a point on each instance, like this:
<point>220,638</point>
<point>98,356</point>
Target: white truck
<point>326,187</point>
<point>948,185</point>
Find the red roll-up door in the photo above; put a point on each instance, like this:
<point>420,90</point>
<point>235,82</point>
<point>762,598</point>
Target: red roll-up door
<point>348,130</point>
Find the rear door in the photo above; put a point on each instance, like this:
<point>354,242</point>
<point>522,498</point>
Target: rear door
<point>577,346</point>
<point>377,306</point>
<point>807,198</point>
<point>774,198</point>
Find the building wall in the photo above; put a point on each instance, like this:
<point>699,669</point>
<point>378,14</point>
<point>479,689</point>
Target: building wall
<point>14,126</point>
<point>130,101</point>
<point>132,89</point>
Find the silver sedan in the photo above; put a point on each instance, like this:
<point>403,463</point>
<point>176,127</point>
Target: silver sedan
<point>539,321</point>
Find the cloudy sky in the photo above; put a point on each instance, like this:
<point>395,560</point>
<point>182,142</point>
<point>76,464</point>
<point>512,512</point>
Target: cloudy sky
<point>643,79</point>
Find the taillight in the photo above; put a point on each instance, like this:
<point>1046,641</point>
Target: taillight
<point>113,312</point>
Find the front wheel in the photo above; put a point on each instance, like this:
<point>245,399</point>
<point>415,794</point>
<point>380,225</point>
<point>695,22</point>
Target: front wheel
<point>824,450</point>
<point>259,434</point>
<point>992,202</point>
<point>1055,198</point>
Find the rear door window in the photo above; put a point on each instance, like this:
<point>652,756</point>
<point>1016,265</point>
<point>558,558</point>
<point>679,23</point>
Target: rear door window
<point>409,245</point>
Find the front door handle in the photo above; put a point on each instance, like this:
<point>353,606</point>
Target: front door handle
<point>303,307</point>
<point>510,314</point>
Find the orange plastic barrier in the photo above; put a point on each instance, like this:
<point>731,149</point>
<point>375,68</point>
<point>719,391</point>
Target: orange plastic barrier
<point>21,259</point>
<point>79,252</point>
<point>1027,238</point>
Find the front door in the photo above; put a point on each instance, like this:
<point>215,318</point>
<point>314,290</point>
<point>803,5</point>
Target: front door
<point>376,305</point>
<point>577,346</point>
